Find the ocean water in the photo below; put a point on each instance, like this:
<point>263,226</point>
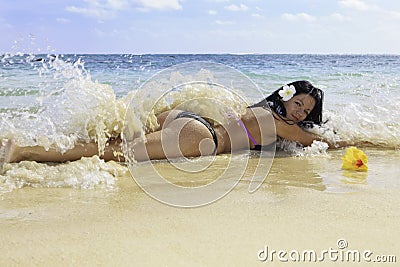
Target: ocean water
<point>55,100</point>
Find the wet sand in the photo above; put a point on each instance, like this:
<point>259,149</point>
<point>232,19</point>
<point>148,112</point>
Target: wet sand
<point>305,203</point>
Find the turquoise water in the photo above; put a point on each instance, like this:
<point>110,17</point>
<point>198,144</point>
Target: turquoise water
<point>125,72</point>
<point>337,73</point>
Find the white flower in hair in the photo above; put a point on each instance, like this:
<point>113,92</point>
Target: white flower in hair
<point>287,92</point>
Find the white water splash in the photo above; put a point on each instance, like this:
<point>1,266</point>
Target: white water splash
<point>86,173</point>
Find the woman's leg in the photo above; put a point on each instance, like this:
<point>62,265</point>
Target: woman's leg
<point>183,137</point>
<point>14,153</point>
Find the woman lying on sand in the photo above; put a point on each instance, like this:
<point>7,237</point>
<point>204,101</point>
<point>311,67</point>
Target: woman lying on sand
<point>293,108</point>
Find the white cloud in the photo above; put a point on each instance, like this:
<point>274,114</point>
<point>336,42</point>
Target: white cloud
<point>240,7</point>
<point>92,11</point>
<point>106,9</point>
<point>224,22</point>
<point>118,4</point>
<point>212,12</point>
<point>339,17</point>
<point>62,20</point>
<point>298,17</point>
<point>256,15</point>
<point>359,5</point>
<point>159,4</point>
<point>354,4</point>
<point>394,14</point>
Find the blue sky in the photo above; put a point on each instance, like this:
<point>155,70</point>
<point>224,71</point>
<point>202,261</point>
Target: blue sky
<point>200,26</point>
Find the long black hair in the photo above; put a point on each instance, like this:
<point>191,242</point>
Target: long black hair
<point>274,101</point>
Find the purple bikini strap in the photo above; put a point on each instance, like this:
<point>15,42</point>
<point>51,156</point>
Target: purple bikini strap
<point>247,132</point>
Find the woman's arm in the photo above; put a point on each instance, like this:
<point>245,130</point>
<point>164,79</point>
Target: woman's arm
<point>260,121</point>
<point>293,132</point>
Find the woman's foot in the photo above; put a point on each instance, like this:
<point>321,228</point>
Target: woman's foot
<point>6,151</point>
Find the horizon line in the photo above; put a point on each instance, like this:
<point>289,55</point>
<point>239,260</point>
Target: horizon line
<point>199,53</point>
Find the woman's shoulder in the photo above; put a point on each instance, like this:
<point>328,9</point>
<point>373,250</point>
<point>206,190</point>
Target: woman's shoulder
<point>259,118</point>
<point>257,112</point>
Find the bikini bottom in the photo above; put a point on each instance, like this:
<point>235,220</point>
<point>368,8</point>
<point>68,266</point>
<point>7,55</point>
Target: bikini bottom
<point>188,114</point>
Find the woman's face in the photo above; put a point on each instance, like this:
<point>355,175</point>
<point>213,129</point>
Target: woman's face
<point>299,106</point>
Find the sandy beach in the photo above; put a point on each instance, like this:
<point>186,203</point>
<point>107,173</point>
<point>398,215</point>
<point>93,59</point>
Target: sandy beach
<point>306,203</point>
